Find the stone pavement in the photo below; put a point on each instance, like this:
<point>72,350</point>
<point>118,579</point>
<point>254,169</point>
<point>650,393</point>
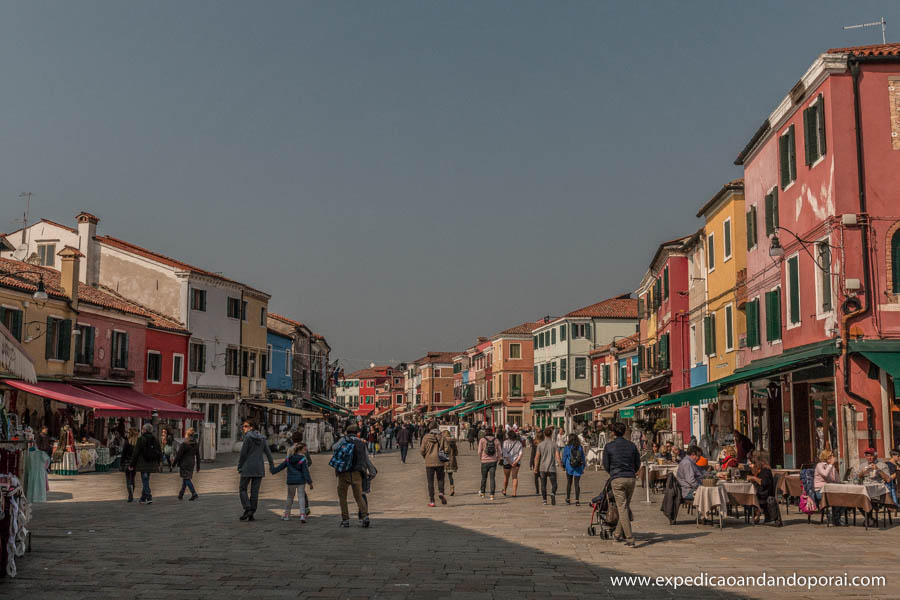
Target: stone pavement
<point>89,543</point>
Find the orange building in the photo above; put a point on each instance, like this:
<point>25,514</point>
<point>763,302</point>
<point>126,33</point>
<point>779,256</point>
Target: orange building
<point>513,374</point>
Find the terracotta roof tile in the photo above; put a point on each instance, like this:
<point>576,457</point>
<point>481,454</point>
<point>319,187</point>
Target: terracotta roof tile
<point>286,320</point>
<point>522,329</point>
<point>870,50</point>
<point>620,307</point>
<point>67,228</point>
<point>437,357</point>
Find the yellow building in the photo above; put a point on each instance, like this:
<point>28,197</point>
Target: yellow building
<point>725,237</point>
<point>254,344</point>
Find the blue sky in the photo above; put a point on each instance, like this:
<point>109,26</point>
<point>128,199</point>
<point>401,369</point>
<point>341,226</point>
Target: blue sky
<point>403,176</point>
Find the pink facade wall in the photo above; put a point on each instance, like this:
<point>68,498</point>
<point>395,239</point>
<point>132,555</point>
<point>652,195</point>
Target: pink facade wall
<point>137,342</point>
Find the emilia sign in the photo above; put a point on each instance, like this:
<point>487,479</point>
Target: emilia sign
<point>617,397</point>
<point>13,359</point>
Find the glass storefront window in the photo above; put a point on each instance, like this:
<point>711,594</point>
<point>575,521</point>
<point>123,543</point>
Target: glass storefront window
<point>225,422</point>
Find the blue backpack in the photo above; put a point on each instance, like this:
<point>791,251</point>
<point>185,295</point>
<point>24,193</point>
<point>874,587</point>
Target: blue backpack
<point>342,459</point>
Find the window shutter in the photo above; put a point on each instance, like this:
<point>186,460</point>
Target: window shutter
<point>825,261</point>
<point>794,279</point>
<point>783,160</point>
<point>553,336</point>
<point>750,324</point>
<point>707,329</point>
<point>562,333</point>
<point>640,312</point>
<point>17,323</point>
<point>712,334</point>
<point>792,150</point>
<point>808,135</point>
<point>820,124</point>
<point>774,210</point>
<point>65,339</point>
<point>48,339</point>
<point>587,330</point>
<point>89,345</point>
<point>666,282</point>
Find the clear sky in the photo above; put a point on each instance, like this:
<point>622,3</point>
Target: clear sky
<point>403,176</point>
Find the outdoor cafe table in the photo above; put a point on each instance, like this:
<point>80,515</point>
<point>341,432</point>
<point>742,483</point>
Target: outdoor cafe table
<point>740,493</point>
<point>711,499</point>
<point>789,484</point>
<point>849,495</point>
<point>657,473</point>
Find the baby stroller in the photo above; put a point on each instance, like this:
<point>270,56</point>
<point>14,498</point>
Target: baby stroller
<point>604,515</point>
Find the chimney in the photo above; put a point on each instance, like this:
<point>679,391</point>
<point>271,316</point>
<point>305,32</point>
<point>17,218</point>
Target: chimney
<point>87,230</point>
<point>68,279</point>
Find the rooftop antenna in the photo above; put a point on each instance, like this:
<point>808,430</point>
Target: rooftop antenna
<point>27,196</point>
<point>882,23</point>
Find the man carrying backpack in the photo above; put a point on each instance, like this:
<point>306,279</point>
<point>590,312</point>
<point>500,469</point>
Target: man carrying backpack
<point>145,459</point>
<point>490,454</point>
<point>350,463</point>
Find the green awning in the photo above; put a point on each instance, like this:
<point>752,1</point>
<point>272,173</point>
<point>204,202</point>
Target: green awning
<point>694,396</point>
<point>446,410</point>
<point>326,407</point>
<point>647,403</point>
<point>889,362</point>
<point>553,405</point>
<point>473,409</point>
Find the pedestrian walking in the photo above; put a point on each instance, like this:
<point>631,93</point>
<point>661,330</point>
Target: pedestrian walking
<point>145,459</point>
<point>573,459</point>
<point>512,456</point>
<point>372,438</point>
<point>622,460</point>
<point>490,453</point>
<point>389,437</point>
<point>535,441</point>
<point>167,440</point>
<point>546,459</point>
<point>404,438</point>
<point>297,478</point>
<point>452,465</point>
<point>435,452</point>
<point>125,465</point>
<point>368,476</point>
<point>252,468</point>
<point>350,462</point>
<point>472,436</point>
<point>187,458</point>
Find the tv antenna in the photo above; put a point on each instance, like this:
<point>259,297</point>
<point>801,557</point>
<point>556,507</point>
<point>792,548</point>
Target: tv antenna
<point>24,219</point>
<point>882,23</point>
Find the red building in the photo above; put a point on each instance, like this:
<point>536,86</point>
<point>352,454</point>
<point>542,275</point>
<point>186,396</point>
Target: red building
<point>373,383</point>
<point>823,266</point>
<point>167,346</point>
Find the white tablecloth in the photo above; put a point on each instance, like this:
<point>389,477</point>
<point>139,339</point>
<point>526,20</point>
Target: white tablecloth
<point>706,498</point>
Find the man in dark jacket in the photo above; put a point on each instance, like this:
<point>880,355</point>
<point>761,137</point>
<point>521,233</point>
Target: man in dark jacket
<point>404,438</point>
<point>353,479</point>
<point>622,460</point>
<point>252,468</point>
<point>187,458</point>
<point>145,460</point>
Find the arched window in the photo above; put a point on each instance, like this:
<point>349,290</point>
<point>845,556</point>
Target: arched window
<point>895,261</point>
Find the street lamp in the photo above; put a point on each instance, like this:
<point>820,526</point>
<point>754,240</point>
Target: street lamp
<point>40,294</point>
<point>775,248</point>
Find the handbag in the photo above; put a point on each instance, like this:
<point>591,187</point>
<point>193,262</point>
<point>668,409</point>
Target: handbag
<point>442,454</point>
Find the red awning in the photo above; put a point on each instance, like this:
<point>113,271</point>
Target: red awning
<point>362,412</point>
<point>127,395</point>
<point>63,392</point>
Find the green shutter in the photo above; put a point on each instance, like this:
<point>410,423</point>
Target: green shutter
<point>666,282</point>
<point>809,133</point>
<point>65,339</point>
<point>751,239</point>
<point>562,333</point>
<point>794,282</point>
<point>17,325</point>
<point>90,332</point>
<point>752,310</point>
<point>895,262</point>
<point>792,149</point>
<point>48,341</point>
<point>729,327</point>
<point>783,160</point>
<point>712,334</point>
<point>820,124</point>
<point>553,336</point>
<point>825,261</point>
<point>535,373</point>
<point>773,315</point>
<point>587,330</point>
<point>727,235</point>
<point>707,329</point>
<point>562,369</point>
<point>711,252</point>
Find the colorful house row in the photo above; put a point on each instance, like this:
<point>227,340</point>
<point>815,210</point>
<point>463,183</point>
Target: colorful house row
<point>780,316</point>
<point>208,346</point>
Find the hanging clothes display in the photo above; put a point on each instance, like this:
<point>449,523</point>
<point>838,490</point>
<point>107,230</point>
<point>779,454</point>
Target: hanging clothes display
<point>311,437</point>
<point>15,509</point>
<point>36,463</point>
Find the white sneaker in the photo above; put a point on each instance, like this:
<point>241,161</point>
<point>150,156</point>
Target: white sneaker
<point>285,518</point>
<point>481,494</point>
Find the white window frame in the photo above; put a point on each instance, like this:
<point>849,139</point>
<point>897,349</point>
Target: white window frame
<point>43,257</point>
<point>730,237</point>
<point>147,367</point>
<point>517,345</point>
<point>594,370</point>
<point>814,104</point>
<point>180,372</point>
<point>228,301</point>
<point>787,296</point>
<point>694,345</point>
<point>512,387</point>
<point>268,358</point>
<point>112,347</point>
<point>787,130</point>
<point>711,255</point>
<point>729,319</point>
<point>820,277</point>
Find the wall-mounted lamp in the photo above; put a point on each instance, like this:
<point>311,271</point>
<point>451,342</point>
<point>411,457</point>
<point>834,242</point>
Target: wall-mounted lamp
<point>775,248</point>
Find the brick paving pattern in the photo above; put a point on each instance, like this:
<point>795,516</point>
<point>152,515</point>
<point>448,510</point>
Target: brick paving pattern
<point>89,543</point>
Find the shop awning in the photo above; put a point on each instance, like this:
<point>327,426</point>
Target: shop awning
<point>616,397</point>
<point>693,396</point>
<point>446,410</point>
<point>329,404</point>
<point>329,408</point>
<point>790,359</point>
<point>473,409</point>
<point>889,362</point>
<point>103,406</point>
<point>127,395</point>
<point>13,359</point>
<point>362,412</point>
<point>289,410</point>
<point>552,405</point>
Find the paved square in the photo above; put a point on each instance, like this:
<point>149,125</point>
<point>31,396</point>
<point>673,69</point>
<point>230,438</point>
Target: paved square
<point>89,543</point>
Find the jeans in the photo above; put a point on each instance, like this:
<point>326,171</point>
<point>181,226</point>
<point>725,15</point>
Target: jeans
<point>351,480</point>
<point>145,486</point>
<point>250,502</point>
<point>430,474</point>
<point>301,499</point>
<point>486,469</point>
<point>537,483</point>
<point>388,442</point>
<point>577,479</point>
<point>129,481</point>
<point>545,475</point>
<point>371,447</point>
<point>623,490</point>
<point>404,448</point>
<point>449,477</point>
<point>688,495</point>
<point>187,483</point>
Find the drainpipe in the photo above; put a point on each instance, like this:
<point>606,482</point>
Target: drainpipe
<point>851,307</point>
